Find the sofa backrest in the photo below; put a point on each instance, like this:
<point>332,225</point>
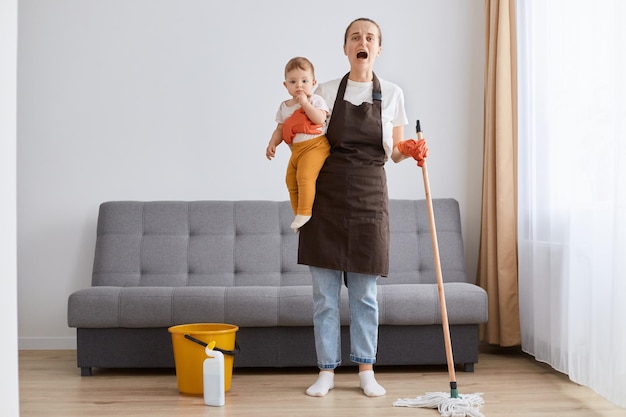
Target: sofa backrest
<point>250,243</point>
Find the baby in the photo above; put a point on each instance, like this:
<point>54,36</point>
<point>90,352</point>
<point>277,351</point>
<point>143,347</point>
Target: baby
<point>300,122</point>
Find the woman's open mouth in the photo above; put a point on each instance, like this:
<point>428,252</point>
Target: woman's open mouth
<point>361,55</point>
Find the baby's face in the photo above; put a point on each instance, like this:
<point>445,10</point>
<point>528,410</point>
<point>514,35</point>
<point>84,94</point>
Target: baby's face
<point>299,81</point>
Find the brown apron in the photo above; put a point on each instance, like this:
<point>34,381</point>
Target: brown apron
<point>349,229</point>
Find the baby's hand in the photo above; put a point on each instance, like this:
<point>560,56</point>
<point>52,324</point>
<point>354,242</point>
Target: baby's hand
<point>270,152</point>
<point>301,98</point>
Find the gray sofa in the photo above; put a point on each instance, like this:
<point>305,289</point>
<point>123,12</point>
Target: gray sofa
<point>159,264</point>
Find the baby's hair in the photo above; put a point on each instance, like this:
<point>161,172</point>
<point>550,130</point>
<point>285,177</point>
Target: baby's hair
<point>299,63</point>
<point>364,19</point>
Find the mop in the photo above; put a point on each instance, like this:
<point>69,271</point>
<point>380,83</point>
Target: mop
<point>453,404</point>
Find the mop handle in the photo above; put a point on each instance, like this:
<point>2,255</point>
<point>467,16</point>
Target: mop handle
<point>442,297</point>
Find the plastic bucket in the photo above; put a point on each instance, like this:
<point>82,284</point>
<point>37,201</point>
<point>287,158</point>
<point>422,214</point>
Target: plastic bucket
<point>189,355</point>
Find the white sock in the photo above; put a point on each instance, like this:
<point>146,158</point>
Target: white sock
<point>369,385</point>
<point>325,382</point>
<point>299,221</point>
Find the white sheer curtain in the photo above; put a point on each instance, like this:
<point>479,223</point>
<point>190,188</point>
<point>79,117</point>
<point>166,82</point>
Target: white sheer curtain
<point>572,189</point>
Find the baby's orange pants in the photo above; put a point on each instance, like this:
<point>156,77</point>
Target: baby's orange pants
<point>303,168</point>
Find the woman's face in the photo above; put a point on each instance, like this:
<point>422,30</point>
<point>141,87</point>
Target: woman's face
<point>362,45</point>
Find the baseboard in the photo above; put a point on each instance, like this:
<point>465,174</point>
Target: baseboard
<point>46,343</point>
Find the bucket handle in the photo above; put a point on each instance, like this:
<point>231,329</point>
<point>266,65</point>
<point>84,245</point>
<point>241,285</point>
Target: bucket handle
<point>224,351</point>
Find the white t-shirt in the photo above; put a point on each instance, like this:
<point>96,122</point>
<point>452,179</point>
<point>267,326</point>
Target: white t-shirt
<point>393,111</point>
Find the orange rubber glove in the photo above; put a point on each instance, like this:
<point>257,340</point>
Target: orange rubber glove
<point>299,122</point>
<point>414,148</point>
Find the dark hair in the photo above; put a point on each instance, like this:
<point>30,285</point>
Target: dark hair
<point>364,19</point>
<point>301,63</point>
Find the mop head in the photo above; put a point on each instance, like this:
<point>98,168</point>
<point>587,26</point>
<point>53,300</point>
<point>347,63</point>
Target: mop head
<point>467,405</point>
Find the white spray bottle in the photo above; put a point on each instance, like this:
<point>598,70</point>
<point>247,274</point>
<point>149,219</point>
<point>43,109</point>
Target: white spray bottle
<point>213,377</point>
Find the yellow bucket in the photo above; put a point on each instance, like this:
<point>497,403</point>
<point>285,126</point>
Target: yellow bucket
<point>189,356</point>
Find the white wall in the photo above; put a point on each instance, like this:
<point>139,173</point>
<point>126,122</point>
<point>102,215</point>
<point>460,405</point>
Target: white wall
<point>9,397</point>
<point>156,99</point>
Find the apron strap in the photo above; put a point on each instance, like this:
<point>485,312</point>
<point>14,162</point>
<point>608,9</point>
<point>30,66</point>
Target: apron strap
<point>377,94</point>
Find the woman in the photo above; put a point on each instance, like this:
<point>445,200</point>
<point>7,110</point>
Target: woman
<point>347,238</point>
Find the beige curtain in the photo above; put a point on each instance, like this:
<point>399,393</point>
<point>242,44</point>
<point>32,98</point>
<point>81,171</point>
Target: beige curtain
<point>497,263</point>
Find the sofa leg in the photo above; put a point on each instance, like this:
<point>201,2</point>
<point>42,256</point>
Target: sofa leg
<point>468,367</point>
<point>85,371</point>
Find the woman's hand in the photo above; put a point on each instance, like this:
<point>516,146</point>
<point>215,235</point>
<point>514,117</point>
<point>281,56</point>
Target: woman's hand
<point>414,148</point>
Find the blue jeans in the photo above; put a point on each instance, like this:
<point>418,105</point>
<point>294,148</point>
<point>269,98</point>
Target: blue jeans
<point>362,292</point>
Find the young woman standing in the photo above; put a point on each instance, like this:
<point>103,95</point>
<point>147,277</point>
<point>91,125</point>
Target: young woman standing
<point>347,238</point>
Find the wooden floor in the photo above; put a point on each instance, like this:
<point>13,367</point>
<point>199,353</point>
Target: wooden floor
<point>512,383</point>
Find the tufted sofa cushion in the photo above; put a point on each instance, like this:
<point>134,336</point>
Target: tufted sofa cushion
<point>159,264</point>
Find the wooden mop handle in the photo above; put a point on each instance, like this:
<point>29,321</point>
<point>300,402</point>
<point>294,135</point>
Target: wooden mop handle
<point>442,297</point>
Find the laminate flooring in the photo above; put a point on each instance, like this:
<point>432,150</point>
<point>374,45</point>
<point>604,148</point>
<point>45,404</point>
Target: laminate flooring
<point>512,384</point>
